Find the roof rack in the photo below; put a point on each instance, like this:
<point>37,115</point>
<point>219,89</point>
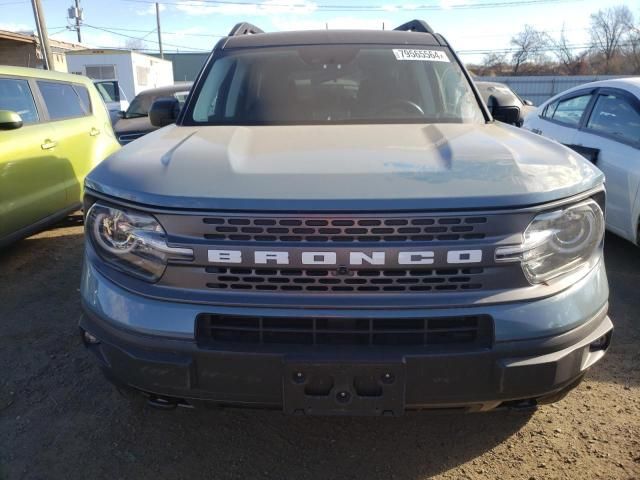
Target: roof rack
<point>415,26</point>
<point>244,28</point>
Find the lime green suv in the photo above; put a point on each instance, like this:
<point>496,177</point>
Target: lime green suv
<point>54,128</point>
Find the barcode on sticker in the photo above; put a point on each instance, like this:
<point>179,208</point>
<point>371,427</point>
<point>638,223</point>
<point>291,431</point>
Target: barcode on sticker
<point>420,55</point>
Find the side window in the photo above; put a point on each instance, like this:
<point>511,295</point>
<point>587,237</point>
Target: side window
<point>108,91</point>
<point>85,99</point>
<point>614,115</point>
<point>15,95</point>
<point>61,100</point>
<point>570,111</point>
<point>101,72</point>
<point>549,110</point>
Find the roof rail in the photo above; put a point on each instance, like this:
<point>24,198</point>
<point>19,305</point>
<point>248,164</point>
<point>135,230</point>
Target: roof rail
<point>244,28</point>
<point>415,26</point>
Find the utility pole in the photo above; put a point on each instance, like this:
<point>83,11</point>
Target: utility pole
<point>78,18</point>
<point>75,13</point>
<point>41,26</point>
<point>159,32</point>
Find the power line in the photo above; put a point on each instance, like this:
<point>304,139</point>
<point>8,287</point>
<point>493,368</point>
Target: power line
<point>138,30</point>
<point>221,35</point>
<point>354,8</point>
<point>137,38</point>
<point>513,50</point>
<point>541,50</point>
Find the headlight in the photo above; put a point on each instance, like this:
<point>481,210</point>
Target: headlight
<point>558,242</point>
<point>133,242</point>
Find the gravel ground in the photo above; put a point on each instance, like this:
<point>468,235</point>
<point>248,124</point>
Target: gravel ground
<point>60,420</point>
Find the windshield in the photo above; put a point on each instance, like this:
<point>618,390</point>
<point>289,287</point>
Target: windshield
<point>334,84</point>
<point>141,104</point>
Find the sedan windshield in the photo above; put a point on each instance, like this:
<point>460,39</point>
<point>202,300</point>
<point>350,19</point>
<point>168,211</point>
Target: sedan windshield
<point>141,105</point>
<point>334,84</point>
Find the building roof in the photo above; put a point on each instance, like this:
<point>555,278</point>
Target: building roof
<point>100,51</point>
<point>113,51</point>
<point>23,37</point>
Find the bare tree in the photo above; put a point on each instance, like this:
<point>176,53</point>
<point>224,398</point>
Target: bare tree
<point>608,28</point>
<point>493,63</point>
<point>530,45</point>
<point>568,57</point>
<point>632,51</point>
<point>134,44</point>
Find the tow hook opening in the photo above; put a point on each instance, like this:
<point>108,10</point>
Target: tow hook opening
<point>88,339</point>
<point>166,403</point>
<point>601,343</point>
<point>524,405</point>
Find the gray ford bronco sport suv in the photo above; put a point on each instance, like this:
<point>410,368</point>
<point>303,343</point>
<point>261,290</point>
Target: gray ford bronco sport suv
<point>336,225</point>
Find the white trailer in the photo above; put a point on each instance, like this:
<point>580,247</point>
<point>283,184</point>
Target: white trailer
<point>134,71</point>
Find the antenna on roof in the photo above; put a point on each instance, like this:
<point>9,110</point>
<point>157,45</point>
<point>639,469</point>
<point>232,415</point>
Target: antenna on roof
<point>415,26</point>
<point>244,28</point>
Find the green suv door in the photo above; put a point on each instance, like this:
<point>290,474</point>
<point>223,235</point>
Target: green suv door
<point>62,132</point>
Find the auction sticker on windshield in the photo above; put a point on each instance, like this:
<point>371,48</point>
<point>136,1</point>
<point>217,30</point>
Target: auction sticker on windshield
<point>420,55</point>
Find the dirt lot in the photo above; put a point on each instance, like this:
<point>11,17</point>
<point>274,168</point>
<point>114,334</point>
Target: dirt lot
<point>60,420</point>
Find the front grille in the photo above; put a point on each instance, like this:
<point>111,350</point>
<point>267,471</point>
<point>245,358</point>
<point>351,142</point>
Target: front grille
<point>471,331</point>
<point>324,280</point>
<point>388,232</point>
<point>365,229</point>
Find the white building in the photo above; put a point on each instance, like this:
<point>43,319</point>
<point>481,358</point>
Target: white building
<point>134,71</point>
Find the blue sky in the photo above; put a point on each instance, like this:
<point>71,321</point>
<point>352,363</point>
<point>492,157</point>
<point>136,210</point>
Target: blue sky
<point>194,25</point>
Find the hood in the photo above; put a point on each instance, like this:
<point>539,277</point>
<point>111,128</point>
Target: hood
<point>343,167</point>
<point>132,125</point>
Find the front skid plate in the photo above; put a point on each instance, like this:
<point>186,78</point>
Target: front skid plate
<point>344,389</point>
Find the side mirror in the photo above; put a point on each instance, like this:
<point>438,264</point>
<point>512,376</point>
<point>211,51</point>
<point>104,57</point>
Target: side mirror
<point>503,113</point>
<point>528,103</point>
<point>510,115</point>
<point>492,104</point>
<point>9,120</point>
<point>164,111</point>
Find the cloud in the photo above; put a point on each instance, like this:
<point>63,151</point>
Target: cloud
<point>447,4</point>
<point>269,7</point>
<point>102,39</point>
<point>337,23</point>
<point>150,10</point>
<point>401,8</point>
<point>16,27</point>
<point>184,32</point>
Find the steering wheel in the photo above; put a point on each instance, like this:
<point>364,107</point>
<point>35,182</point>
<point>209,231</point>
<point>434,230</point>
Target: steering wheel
<point>402,105</point>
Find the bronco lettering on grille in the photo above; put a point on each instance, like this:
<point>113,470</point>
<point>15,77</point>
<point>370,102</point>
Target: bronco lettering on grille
<point>265,257</point>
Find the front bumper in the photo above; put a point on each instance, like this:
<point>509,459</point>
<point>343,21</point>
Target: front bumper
<point>511,372</point>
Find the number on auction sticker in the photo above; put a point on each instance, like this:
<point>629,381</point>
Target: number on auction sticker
<point>420,55</point>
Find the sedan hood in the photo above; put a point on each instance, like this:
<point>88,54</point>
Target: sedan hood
<point>134,124</point>
<point>343,167</point>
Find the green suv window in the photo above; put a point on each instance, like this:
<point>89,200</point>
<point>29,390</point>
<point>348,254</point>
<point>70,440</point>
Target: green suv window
<point>64,101</point>
<point>15,95</point>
